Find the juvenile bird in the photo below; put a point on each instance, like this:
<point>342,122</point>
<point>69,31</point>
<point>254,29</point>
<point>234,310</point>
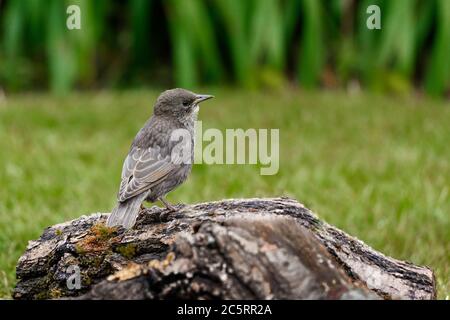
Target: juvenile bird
<point>160,157</point>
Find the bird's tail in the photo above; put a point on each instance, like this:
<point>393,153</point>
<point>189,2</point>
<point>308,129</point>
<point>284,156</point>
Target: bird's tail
<point>125,213</point>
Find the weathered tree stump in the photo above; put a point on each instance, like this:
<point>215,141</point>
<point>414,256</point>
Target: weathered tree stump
<point>232,249</point>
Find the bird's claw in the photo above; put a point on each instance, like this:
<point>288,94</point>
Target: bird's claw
<point>168,206</point>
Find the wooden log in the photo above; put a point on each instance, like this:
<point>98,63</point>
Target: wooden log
<point>231,249</point>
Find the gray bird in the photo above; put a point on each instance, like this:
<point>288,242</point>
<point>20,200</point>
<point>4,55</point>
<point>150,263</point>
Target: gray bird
<point>160,157</point>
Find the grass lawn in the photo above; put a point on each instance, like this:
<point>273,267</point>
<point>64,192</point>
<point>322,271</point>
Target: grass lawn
<point>376,167</point>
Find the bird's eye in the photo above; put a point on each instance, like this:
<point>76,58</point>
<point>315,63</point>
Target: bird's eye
<point>186,103</point>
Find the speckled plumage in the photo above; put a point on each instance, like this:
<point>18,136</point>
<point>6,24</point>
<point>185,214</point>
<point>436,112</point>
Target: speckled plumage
<point>150,170</point>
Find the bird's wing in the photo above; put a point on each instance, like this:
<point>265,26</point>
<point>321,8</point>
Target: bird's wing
<point>142,168</point>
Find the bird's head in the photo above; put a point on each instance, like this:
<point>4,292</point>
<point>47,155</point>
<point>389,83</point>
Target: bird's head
<point>178,103</point>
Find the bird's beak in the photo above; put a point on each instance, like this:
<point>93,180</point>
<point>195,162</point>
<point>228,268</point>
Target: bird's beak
<point>202,97</point>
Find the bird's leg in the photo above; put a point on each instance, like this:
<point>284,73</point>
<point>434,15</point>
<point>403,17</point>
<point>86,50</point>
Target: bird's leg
<point>142,207</point>
<point>167,205</point>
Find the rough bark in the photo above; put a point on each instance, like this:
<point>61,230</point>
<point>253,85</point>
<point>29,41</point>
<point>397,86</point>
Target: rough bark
<point>232,249</point>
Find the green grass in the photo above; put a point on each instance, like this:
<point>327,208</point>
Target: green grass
<point>374,166</point>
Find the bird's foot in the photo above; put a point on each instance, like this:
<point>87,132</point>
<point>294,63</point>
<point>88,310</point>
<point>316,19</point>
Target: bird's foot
<point>168,206</point>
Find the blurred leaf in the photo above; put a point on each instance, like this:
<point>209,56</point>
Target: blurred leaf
<point>233,14</point>
<point>140,27</point>
<point>397,39</point>
<point>13,36</point>
<point>437,78</point>
<point>311,47</point>
<point>367,42</point>
<point>186,74</point>
<point>60,54</point>
<point>266,34</point>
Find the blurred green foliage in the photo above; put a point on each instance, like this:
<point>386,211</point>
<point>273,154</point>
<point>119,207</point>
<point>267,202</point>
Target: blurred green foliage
<point>251,43</point>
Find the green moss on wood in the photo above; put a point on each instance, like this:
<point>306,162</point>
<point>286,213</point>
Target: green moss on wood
<point>128,250</point>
